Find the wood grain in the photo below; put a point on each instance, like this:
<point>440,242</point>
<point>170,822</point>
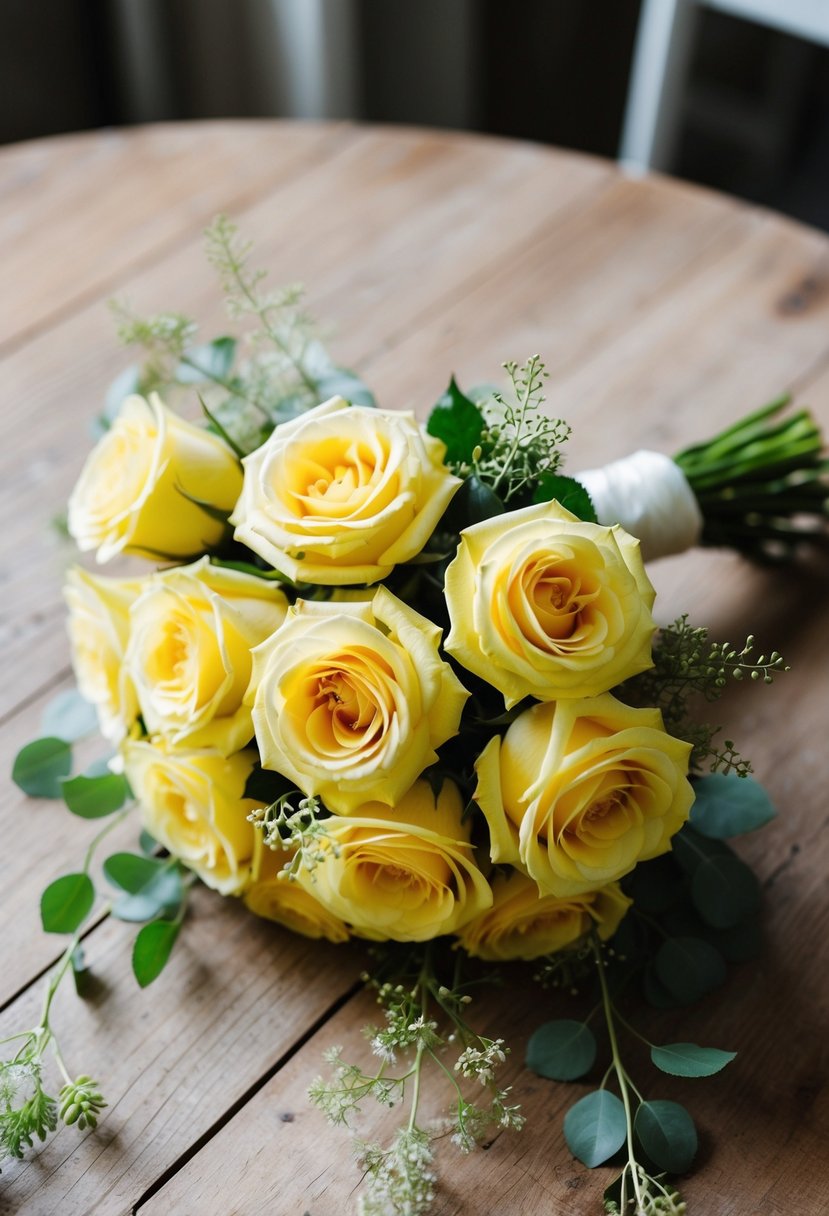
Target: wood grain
<point>664,312</point>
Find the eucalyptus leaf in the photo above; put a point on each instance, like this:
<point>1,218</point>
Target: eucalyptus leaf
<point>66,903</point>
<point>667,1134</point>
<point>562,1050</point>
<point>69,716</point>
<point>458,423</point>
<point>595,1128</point>
<point>689,968</point>
<point>39,767</point>
<point>95,797</point>
<point>151,887</point>
<point>689,1060</point>
<point>146,843</point>
<point>728,805</point>
<point>690,849</point>
<point>152,949</point>
<point>211,361</point>
<point>724,891</point>
<point>341,382</point>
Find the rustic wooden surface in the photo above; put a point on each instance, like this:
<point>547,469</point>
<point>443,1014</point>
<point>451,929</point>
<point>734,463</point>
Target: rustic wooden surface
<point>664,311</point>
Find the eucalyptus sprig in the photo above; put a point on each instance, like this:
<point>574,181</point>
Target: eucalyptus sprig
<point>425,1020</point>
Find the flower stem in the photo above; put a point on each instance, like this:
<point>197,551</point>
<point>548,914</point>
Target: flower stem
<point>621,1075</point>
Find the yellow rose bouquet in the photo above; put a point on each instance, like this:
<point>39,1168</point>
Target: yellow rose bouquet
<point>402,683</point>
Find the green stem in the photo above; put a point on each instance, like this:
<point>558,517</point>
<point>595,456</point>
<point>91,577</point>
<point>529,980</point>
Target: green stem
<point>113,822</point>
<point>621,1075</point>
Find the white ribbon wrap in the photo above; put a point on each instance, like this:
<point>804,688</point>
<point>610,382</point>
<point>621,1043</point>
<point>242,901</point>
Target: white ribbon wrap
<point>650,497</point>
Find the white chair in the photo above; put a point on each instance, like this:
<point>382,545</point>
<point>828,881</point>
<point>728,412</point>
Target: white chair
<point>664,43</point>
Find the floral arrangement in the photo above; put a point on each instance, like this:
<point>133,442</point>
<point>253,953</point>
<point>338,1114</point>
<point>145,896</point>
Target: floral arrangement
<point>403,684</point>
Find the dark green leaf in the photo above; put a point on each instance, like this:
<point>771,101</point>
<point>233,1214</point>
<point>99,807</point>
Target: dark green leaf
<point>562,1050</point>
<point>595,1127</point>
<point>152,950</point>
<point>724,891</point>
<point>739,944</point>
<point>264,786</point>
<point>654,886</point>
<point>689,1060</point>
<point>667,1134</point>
<point>69,716</point>
<point>457,422</point>
<point>690,849</point>
<point>219,514</point>
<point>655,992</point>
<point>95,797</point>
<point>727,805</point>
<point>212,361</point>
<point>689,968</point>
<point>152,888</point>
<point>473,503</point>
<point>66,903</point>
<point>568,492</point>
<point>40,767</point>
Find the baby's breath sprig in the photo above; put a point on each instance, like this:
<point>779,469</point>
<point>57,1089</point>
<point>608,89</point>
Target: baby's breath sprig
<point>687,666</point>
<point>400,1178</point>
<point>519,443</point>
<point>293,824</point>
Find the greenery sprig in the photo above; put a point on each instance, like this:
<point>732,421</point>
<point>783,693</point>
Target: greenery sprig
<point>425,1020</point>
<point>294,824</point>
<point>688,667</point>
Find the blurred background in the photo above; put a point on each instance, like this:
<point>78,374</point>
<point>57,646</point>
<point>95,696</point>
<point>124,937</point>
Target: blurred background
<point>730,93</point>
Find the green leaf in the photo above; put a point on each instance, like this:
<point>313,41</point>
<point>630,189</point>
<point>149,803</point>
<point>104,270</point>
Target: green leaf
<point>568,492</point>
<point>562,1050</point>
<point>727,805</point>
<point>724,891</point>
<point>95,797</point>
<point>457,422</point>
<point>40,767</point>
<point>690,849</point>
<point>66,903</point>
<point>211,361</point>
<point>341,382</point>
<point>152,949</point>
<point>689,968</point>
<point>655,992</point>
<point>595,1127</point>
<point>739,944</point>
<point>689,1060</point>
<point>473,502</point>
<point>654,886</point>
<point>151,887</point>
<point>667,1134</point>
<point>146,843</point>
<point>69,716</point>
<point>80,971</point>
<point>216,426</point>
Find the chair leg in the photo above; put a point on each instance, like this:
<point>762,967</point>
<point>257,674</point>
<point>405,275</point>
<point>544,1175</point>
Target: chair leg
<point>664,43</point>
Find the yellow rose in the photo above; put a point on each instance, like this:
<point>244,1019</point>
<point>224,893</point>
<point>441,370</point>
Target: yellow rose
<point>407,873</point>
<point>130,497</point>
<point>577,792</point>
<point>343,493</point>
<point>98,631</point>
<point>545,605</point>
<point>189,652</point>
<point>192,803</point>
<point>288,902</point>
<point>522,924</point>
<point>350,700</point>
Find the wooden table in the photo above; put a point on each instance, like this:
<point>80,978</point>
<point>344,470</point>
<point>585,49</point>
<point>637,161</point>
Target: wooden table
<point>663,311</point>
